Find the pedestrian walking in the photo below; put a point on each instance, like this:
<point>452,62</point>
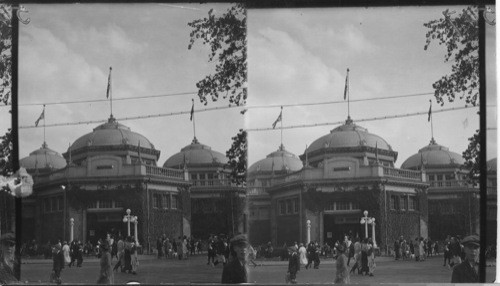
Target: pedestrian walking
<point>468,270</point>
<point>159,247</point>
<point>317,251</point>
<point>302,254</point>
<point>7,259</point>
<point>133,257</point>
<point>235,271</point>
<point>211,252</point>
<point>293,264</point>
<point>421,249</point>
<point>342,274</point>
<point>66,250</point>
<point>371,257</point>
<point>364,257</point>
<point>57,264</point>
<point>120,247</point>
<point>127,254</point>
<point>106,273</point>
<point>357,256</point>
<point>416,247</point>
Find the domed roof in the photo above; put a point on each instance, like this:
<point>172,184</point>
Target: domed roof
<point>111,133</point>
<point>433,155</point>
<point>349,135</point>
<point>491,165</point>
<point>43,158</point>
<point>277,161</point>
<point>195,154</point>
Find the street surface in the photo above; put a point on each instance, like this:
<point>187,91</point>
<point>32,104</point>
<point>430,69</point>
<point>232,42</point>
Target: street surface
<point>195,270</point>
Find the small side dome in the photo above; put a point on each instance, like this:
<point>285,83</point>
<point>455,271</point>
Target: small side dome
<point>278,161</point>
<point>433,156</point>
<point>195,154</point>
<point>43,158</point>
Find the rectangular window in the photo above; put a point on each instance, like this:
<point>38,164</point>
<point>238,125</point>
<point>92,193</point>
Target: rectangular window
<point>93,205</point>
<point>193,177</point>
<point>105,204</point>
<point>166,199</point>
<point>281,207</point>
<point>440,177</point>
<point>355,206</point>
<point>402,202</point>
<point>288,206</point>
<point>53,204</point>
<point>411,203</point>
<point>157,201</point>
<point>342,206</point>
<point>431,178</point>
<point>60,203</point>
<point>296,207</point>
<point>118,204</point>
<point>175,202</point>
<point>394,203</point>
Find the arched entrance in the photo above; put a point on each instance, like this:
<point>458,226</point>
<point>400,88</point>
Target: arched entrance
<point>100,223</point>
<point>336,226</point>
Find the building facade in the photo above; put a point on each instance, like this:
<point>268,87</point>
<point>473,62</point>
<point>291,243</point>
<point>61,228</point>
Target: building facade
<point>217,205</point>
<point>453,202</point>
<point>109,170</point>
<point>345,173</point>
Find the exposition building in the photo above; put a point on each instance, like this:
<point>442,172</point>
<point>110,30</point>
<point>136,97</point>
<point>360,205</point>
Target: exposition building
<point>87,191</point>
<point>345,173</point>
<point>453,202</point>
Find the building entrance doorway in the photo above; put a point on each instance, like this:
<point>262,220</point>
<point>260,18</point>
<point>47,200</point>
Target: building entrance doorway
<point>336,226</point>
<point>99,224</point>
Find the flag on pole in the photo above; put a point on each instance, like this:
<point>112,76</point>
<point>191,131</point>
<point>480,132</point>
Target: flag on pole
<point>42,116</point>
<point>307,159</point>
<point>192,110</point>
<point>108,91</point>
<point>69,149</point>
<point>376,151</point>
<point>346,89</point>
<point>430,111</point>
<point>278,119</point>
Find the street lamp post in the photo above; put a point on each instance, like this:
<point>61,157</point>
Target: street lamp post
<point>366,221</point>
<point>128,219</point>
<point>71,223</point>
<point>136,221</point>
<point>308,231</point>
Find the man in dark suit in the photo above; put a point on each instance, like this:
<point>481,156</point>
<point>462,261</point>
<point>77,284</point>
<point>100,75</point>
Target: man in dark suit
<point>467,271</point>
<point>235,271</point>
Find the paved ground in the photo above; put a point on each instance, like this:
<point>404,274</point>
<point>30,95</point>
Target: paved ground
<point>195,270</point>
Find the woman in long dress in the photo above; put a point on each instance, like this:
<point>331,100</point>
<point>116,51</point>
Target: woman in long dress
<point>65,250</point>
<point>134,260</point>
<point>106,274</point>
<point>342,274</point>
<point>302,255</point>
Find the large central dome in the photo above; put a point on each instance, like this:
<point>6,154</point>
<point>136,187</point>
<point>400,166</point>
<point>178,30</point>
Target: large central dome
<point>195,154</point>
<point>109,134</point>
<point>349,135</point>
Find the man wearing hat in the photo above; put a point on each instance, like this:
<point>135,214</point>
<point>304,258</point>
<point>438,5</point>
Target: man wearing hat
<point>467,271</point>
<point>7,250</point>
<point>235,270</point>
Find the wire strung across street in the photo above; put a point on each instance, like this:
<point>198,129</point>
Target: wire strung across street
<point>251,129</point>
<point>363,120</point>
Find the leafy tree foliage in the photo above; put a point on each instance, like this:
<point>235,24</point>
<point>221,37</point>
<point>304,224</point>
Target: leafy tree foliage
<point>5,54</point>
<point>460,35</point>
<point>238,158</point>
<point>6,168</point>
<point>226,36</point>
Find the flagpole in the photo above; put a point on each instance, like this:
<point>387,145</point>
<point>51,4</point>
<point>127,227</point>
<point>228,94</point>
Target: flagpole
<point>432,126</point>
<point>44,124</point>
<point>194,125</point>
<point>348,99</point>
<point>110,92</point>
<point>281,112</point>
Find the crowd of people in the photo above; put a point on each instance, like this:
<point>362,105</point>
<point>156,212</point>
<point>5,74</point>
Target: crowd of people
<point>236,254</point>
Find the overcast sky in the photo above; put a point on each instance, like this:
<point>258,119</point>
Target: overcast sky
<point>300,56</point>
<point>297,56</point>
<point>65,54</point>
